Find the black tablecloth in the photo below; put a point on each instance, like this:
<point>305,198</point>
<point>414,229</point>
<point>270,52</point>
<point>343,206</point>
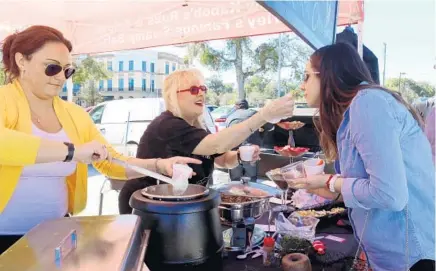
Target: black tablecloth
<point>347,248</point>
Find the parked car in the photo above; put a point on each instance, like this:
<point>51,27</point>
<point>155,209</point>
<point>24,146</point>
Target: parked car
<point>220,115</point>
<point>123,122</point>
<point>211,107</point>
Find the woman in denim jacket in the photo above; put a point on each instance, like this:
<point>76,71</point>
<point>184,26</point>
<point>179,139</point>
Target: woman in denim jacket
<point>387,176</point>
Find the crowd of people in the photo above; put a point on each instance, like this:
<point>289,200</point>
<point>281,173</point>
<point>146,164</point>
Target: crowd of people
<point>385,171</point>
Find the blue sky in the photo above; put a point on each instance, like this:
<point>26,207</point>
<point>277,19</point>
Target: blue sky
<point>406,26</point>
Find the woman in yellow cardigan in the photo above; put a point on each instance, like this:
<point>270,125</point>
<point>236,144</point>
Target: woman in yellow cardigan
<point>45,142</point>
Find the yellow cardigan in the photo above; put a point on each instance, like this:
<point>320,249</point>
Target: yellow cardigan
<point>19,148</point>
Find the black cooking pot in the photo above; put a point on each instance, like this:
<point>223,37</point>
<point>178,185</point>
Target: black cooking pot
<point>185,229</point>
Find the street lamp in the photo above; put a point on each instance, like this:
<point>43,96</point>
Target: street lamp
<point>399,81</point>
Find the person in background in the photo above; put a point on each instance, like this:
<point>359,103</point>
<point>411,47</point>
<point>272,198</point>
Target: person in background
<point>426,110</point>
<point>385,163</point>
<point>430,130</point>
<point>46,143</point>
<point>423,108</point>
<point>180,131</point>
<point>242,113</point>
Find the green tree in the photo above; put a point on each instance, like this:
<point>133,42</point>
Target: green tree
<point>237,54</point>
<point>212,98</point>
<point>262,87</point>
<point>89,72</point>
<point>295,53</point>
<point>2,75</point>
<point>228,99</point>
<point>290,86</point>
<point>411,89</point>
<point>257,83</point>
<point>216,84</point>
<point>247,61</point>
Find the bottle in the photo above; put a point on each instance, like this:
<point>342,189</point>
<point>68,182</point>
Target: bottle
<point>268,251</point>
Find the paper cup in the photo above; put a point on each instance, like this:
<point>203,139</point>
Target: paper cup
<point>181,175</point>
<point>246,153</point>
<point>314,167</point>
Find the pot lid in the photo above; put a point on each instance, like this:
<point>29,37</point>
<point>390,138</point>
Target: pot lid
<point>165,192</point>
<point>247,189</point>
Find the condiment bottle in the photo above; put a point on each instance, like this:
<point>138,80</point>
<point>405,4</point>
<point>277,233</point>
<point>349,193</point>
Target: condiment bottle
<point>268,251</point>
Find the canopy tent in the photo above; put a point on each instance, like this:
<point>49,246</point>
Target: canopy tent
<point>96,26</point>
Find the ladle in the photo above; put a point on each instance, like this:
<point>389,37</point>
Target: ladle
<point>150,173</point>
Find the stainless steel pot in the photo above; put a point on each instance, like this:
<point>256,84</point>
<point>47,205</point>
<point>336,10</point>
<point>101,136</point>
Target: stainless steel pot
<point>233,212</point>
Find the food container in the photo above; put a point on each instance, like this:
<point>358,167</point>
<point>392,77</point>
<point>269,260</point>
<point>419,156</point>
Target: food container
<point>235,207</point>
<point>110,243</point>
<point>289,151</point>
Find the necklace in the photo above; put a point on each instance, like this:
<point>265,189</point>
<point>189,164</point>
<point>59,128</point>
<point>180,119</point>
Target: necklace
<point>35,116</point>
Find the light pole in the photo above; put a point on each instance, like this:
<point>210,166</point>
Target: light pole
<point>399,81</point>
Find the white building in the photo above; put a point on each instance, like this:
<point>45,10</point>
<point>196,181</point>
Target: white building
<point>135,74</point>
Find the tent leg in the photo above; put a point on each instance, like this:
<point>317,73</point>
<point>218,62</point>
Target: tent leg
<point>360,38</point>
<point>70,90</point>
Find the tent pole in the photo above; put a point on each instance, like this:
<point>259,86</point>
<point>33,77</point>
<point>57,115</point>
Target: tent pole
<point>279,68</point>
<point>360,38</point>
<point>70,90</point>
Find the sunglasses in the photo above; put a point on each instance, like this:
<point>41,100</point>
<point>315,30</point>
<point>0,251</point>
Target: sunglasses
<point>194,90</point>
<point>307,75</point>
<point>53,69</point>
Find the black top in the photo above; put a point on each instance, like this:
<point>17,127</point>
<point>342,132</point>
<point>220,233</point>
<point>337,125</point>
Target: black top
<point>168,136</point>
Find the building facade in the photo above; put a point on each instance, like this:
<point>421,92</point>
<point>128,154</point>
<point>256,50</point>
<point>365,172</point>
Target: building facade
<point>135,74</point>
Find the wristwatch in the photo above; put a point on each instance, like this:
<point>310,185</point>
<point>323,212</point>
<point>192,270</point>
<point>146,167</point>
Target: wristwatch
<point>239,157</point>
<point>70,154</point>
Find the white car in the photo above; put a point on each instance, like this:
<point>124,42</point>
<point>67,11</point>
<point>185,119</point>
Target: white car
<point>123,122</point>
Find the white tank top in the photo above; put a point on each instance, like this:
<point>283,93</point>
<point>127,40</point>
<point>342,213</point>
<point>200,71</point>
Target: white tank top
<point>41,193</point>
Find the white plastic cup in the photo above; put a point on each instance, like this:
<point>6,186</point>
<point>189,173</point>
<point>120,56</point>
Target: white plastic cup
<point>311,167</point>
<point>246,153</point>
<point>181,175</point>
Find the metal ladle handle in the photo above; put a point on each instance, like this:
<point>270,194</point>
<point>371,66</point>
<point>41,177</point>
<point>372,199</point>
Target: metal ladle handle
<point>144,171</point>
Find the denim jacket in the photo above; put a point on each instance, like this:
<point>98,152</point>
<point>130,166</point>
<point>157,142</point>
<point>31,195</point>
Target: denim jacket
<point>386,161</point>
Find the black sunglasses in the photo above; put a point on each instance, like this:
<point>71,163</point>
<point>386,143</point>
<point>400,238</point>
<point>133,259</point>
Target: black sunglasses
<point>194,90</point>
<point>53,69</point>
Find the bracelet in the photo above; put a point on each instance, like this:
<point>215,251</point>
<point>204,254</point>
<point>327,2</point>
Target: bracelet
<point>328,181</point>
<point>332,183</point>
<point>336,199</point>
<point>156,168</point>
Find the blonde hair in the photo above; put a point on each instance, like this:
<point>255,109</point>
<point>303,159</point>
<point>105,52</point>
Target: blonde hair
<point>172,84</point>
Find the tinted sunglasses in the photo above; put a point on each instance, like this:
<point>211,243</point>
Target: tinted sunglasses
<point>53,69</point>
<point>194,90</point>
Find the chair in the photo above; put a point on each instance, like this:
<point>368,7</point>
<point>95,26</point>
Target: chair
<point>113,184</point>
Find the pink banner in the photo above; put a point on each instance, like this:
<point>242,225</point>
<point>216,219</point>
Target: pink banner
<point>110,25</point>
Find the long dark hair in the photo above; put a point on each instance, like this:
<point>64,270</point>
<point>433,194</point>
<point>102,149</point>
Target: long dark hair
<point>341,72</point>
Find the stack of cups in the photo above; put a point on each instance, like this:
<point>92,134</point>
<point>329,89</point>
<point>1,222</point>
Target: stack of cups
<point>246,153</point>
<point>314,166</point>
<point>181,175</point>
